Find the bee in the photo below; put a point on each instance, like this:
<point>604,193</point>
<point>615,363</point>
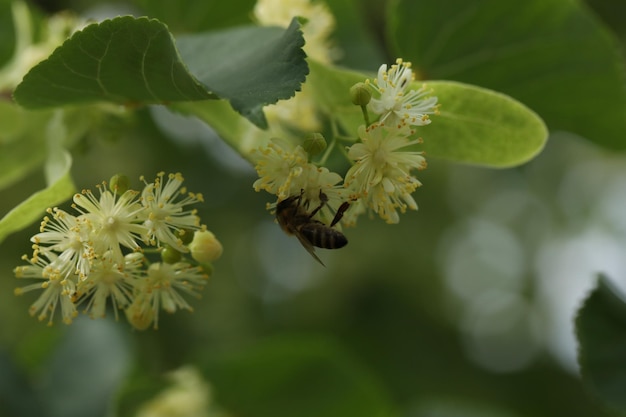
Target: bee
<point>293,218</point>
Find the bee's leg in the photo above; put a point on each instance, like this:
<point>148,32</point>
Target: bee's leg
<point>323,200</point>
<point>339,215</point>
<point>299,199</point>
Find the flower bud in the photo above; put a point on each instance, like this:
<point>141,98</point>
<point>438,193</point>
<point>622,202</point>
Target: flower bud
<point>119,184</point>
<point>360,94</point>
<point>169,255</point>
<point>314,144</point>
<point>205,247</point>
<point>140,314</point>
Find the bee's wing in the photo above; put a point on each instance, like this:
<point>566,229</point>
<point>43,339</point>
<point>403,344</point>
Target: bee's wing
<point>309,248</point>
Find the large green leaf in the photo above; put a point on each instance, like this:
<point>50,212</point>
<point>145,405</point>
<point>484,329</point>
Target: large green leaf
<point>304,377</point>
<point>124,60</point>
<point>249,66</point>
<point>480,126</point>
<point>601,331</point>
<point>135,61</point>
<point>552,55</point>
<point>476,125</point>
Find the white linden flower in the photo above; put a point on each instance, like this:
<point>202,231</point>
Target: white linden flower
<point>57,289</point>
<point>381,175</point>
<point>320,181</point>
<point>398,104</point>
<point>162,289</point>
<point>285,172</point>
<point>165,212</point>
<point>112,219</point>
<point>80,259</point>
<point>282,168</point>
<point>69,236</point>
<point>108,279</point>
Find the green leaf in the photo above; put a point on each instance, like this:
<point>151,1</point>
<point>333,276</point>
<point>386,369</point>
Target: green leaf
<point>24,133</point>
<point>295,377</point>
<point>22,146</point>
<point>601,332</point>
<point>482,127</point>
<point>249,66</point>
<point>33,207</point>
<point>135,61</point>
<point>124,60</point>
<point>552,55</point>
<point>476,125</point>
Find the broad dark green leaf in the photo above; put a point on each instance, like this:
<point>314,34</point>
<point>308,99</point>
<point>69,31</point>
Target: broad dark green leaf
<point>249,66</point>
<point>304,377</point>
<point>476,126</point>
<point>552,55</point>
<point>601,332</point>
<point>135,61</point>
<point>124,60</point>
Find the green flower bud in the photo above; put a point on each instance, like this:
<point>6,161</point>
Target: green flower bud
<point>169,255</point>
<point>360,94</point>
<point>119,184</point>
<point>205,248</point>
<point>314,144</point>
<point>185,235</point>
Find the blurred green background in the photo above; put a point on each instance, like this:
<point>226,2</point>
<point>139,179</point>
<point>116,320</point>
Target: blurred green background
<point>464,309</point>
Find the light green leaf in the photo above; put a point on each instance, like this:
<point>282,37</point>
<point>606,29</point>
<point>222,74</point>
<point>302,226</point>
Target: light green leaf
<point>476,126</point>
<point>552,55</point>
<point>482,127</point>
<point>135,61</point>
<point>33,207</point>
<point>601,332</point>
<point>23,137</point>
<point>304,377</point>
<point>22,148</point>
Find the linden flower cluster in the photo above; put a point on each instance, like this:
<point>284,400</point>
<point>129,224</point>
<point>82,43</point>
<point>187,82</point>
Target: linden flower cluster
<point>383,158</point>
<point>101,253</point>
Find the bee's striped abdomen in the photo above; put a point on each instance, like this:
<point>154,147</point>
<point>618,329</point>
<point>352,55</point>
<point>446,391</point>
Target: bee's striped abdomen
<point>322,236</point>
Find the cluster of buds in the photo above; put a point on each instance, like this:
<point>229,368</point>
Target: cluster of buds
<point>103,251</point>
